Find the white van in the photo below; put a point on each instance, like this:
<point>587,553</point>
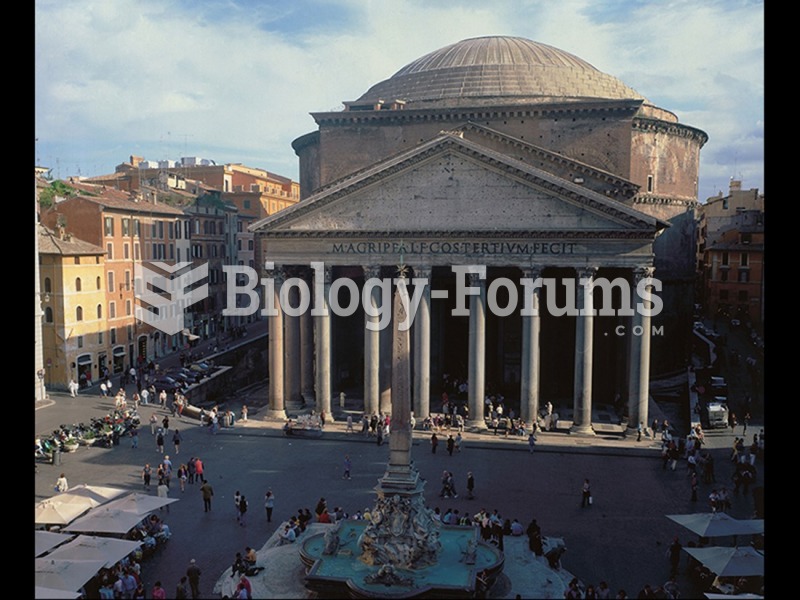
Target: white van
<point>717,413</point>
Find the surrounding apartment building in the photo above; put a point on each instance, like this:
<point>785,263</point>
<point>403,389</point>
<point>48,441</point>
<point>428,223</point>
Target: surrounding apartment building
<point>131,229</point>
<point>731,255</point>
<point>256,193</point>
<point>75,339</point>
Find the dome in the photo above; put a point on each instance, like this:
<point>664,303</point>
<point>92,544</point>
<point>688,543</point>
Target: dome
<point>484,70</point>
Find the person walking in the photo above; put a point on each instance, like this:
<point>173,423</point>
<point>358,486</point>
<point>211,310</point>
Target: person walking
<point>61,484</point>
<point>134,437</point>
<point>183,475</point>
<point>458,442</point>
<point>693,483</point>
<point>745,422</point>
<point>269,504</point>
<point>207,492</point>
<point>586,494</point>
<point>244,412</point>
<point>470,485</point>
<point>176,440</point>
<point>348,464</point>
<point>531,442</point>
<point>163,492</point>
<point>193,573</point>
<point>434,443</point>
<point>674,555</point>
<point>153,421</point>
<point>158,592</point>
<point>73,388</point>
<point>191,469</point>
<point>182,590</point>
<point>147,472</point>
<point>236,497</point>
<point>242,510</point>
<point>451,445</point>
<point>160,440</point>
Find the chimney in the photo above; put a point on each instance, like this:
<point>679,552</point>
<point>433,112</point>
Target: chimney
<point>735,185</point>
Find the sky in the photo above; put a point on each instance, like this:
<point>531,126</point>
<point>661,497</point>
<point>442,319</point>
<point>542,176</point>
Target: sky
<point>235,81</point>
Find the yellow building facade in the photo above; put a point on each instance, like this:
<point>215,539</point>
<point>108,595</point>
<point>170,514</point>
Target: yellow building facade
<point>74,323</point>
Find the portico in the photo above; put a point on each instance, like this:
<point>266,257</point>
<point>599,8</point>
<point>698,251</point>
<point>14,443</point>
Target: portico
<point>426,209</point>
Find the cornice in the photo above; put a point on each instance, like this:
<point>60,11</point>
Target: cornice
<point>650,125</point>
<point>472,235</point>
<point>473,113</point>
<point>665,200</point>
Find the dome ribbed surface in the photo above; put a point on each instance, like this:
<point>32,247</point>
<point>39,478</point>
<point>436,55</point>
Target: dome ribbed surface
<point>497,67</point>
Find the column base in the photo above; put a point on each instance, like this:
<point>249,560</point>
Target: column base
<point>476,424</point>
<point>584,430</point>
<point>296,403</point>
<point>273,414</point>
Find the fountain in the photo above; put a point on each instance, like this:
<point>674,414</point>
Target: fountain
<point>401,552</point>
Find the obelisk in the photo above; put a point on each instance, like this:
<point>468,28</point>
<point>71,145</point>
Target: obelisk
<point>400,475</point>
<point>402,532</point>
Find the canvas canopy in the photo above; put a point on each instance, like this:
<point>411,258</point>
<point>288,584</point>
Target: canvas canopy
<point>85,547</point>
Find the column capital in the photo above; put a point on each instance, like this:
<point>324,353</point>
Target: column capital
<point>586,272</point>
<point>277,273</point>
<point>643,272</point>
<point>423,271</point>
<point>327,274</point>
<point>532,272</point>
<point>371,271</point>
<point>475,279</point>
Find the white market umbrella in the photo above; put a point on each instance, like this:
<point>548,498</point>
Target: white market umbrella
<point>47,593</point>
<point>50,512</point>
<point>103,520</point>
<point>47,540</point>
<point>96,494</point>
<point>139,503</point>
<point>65,575</point>
<point>718,524</point>
<point>85,547</point>
<point>730,562</point>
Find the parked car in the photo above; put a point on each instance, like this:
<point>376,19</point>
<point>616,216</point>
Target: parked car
<point>200,367</point>
<point>169,384</point>
<point>187,375</point>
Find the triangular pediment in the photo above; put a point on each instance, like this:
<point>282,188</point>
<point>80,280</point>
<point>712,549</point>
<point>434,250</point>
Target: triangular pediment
<point>454,185</point>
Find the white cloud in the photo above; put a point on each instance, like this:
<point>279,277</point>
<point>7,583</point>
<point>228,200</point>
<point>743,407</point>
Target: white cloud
<point>240,78</point>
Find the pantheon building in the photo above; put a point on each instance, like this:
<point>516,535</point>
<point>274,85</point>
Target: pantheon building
<point>494,159</point>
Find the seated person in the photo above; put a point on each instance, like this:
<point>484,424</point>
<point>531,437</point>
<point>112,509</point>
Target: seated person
<point>516,528</point>
<point>239,566</point>
<point>250,557</point>
<point>287,536</point>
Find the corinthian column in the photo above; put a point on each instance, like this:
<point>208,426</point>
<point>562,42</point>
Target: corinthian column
<point>276,399</point>
<point>422,347</point>
<point>531,327</point>
<point>477,351</point>
<point>292,366</point>
<point>639,355</point>
<point>322,324</point>
<point>372,346</point>
<point>582,404</point>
